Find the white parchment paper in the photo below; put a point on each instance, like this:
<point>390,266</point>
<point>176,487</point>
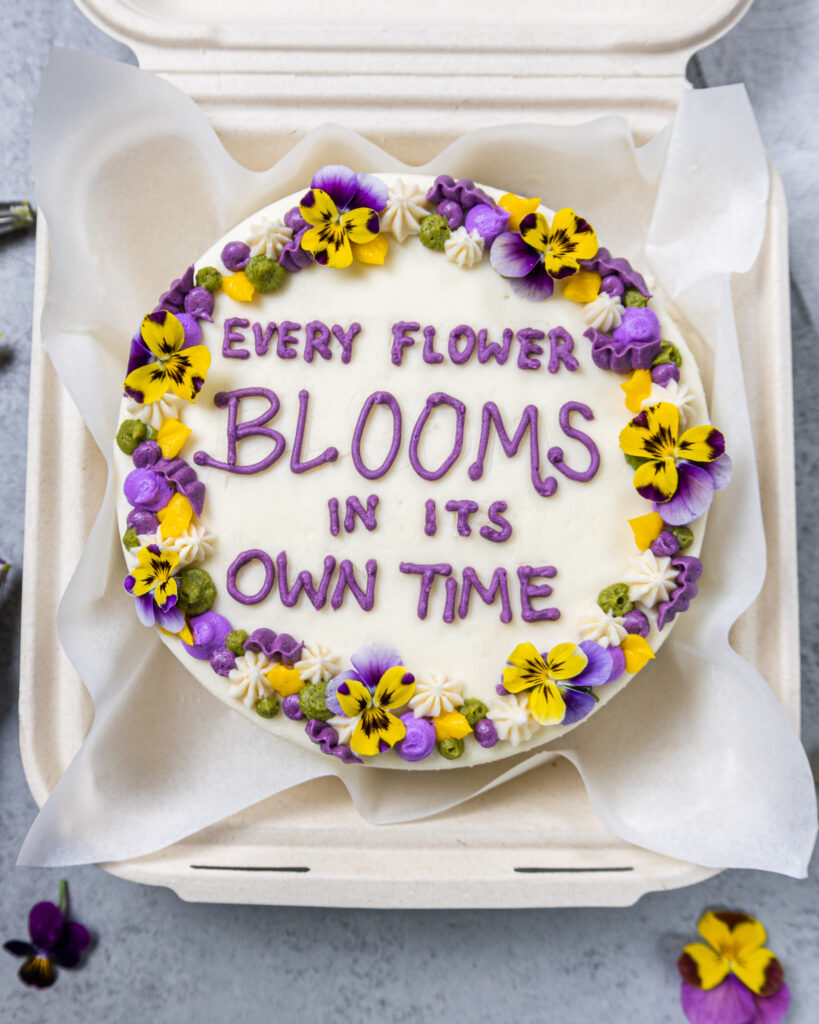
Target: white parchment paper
<point>695,759</point>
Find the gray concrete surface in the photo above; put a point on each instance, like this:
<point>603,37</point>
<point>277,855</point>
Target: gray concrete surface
<point>161,960</point>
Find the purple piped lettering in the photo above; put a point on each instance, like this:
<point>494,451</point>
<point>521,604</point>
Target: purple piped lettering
<point>556,456</point>
<point>356,510</point>
<point>377,398</point>
<point>332,504</point>
<point>400,339</point>
<point>439,398</point>
<point>499,584</point>
<point>262,341</point>
<point>304,582</point>
<point>451,586</point>
<point>464,509</point>
<point>245,558</point>
<point>495,516</point>
<point>237,432</point>
<point>430,525</point>
<point>528,590</point>
<point>427,574</point>
<point>317,339</point>
<point>528,338</point>
<point>296,464</point>
<point>233,336</point>
<point>429,353</point>
<point>346,339</point>
<point>561,346</point>
<point>458,356</point>
<point>528,421</point>
<point>347,581</point>
<point>286,342</point>
<point>492,350</point>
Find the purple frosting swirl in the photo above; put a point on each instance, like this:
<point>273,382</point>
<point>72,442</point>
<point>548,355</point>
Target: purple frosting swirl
<point>635,622</point>
<point>281,648</point>
<point>419,741</point>
<point>147,490</point>
<point>664,374</point>
<point>199,304</point>
<point>689,570</point>
<point>639,325</point>
<point>222,661</point>
<point>485,732</point>
<point>607,265</point>
<point>174,298</point>
<point>147,454</point>
<point>488,221</point>
<point>327,738</point>
<point>209,631</point>
<point>621,356</point>
<point>292,708</point>
<point>665,545</point>
<point>612,285</point>
<point>142,521</point>
<point>236,255</point>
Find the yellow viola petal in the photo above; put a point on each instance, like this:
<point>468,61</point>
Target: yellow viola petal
<point>584,286</point>
<point>706,967</point>
<point>238,287</point>
<point>451,725</point>
<point>176,517</point>
<point>526,668</point>
<point>360,225</point>
<point>164,589</point>
<point>376,725</point>
<point>565,661</point>
<point>546,704</point>
<point>646,529</point>
<point>730,932</point>
<point>187,368</point>
<point>356,698</point>
<point>556,264</point>
<point>637,651</point>
<point>536,232</point>
<point>185,634</point>
<point>150,380</point>
<point>518,208</point>
<point>657,480</point>
<point>760,971</point>
<point>144,580</point>
<point>284,680</point>
<point>170,437</point>
<point>374,252</point>
<point>653,433</point>
<point>572,236</point>
<point>162,333</point>
<point>392,691</point>
<point>318,208</point>
<point>637,388</point>
<point>701,444</point>
<point>330,246</point>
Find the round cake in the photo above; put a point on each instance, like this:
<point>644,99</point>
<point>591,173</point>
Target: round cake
<point>413,471</point>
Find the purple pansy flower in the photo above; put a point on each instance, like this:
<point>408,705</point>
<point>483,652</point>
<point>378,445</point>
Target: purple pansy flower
<point>54,940</point>
<point>370,662</point>
<point>342,209</point>
<point>154,589</point>
<point>523,265</point>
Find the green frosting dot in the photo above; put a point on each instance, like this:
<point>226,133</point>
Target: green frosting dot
<point>264,274</point>
<point>633,297</point>
<point>210,278</point>
<point>685,538</point>
<point>131,434</point>
<point>235,641</point>
<point>312,702</point>
<point>267,707</point>
<point>668,354</point>
<point>473,710</point>
<point>615,599</point>
<point>450,749</point>
<point>434,231</point>
<point>130,538</point>
<point>635,461</point>
<point>195,591</point>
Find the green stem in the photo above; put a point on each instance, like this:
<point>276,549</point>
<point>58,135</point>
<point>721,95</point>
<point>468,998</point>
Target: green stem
<point>62,903</point>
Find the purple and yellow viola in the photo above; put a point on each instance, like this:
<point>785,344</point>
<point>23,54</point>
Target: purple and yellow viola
<point>556,681</point>
<point>342,209</point>
<point>680,472</point>
<point>154,589</point>
<point>377,728</point>
<point>173,367</point>
<point>538,254</point>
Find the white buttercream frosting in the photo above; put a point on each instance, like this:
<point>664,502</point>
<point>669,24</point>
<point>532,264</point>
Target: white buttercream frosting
<point>166,408</point>
<point>247,680</point>
<point>464,248</point>
<point>268,237</point>
<point>650,579</point>
<point>602,627</point>
<point>512,719</point>
<point>317,662</point>
<point>194,545</point>
<point>436,694</point>
<point>675,394</point>
<point>406,208</point>
<point>604,313</point>
<point>345,727</point>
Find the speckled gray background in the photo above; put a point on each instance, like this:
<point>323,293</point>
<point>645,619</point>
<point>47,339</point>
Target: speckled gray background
<point>161,960</point>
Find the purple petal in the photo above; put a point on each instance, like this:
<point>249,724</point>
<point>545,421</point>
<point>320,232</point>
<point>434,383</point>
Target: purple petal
<point>140,354</point>
<point>372,660</point>
<point>536,286</point>
<point>330,690</point>
<point>618,664</point>
<point>512,257</point>
<point>693,498</point>
<point>145,609</point>
<point>19,948</point>
<point>170,619</point>
<point>339,182</point>
<point>578,705</point>
<point>729,1003</point>
<point>372,193</point>
<point>720,471</point>
<point>190,325</point>
<point>598,669</point>
<point>772,1009</point>
<point>45,925</point>
<point>75,941</point>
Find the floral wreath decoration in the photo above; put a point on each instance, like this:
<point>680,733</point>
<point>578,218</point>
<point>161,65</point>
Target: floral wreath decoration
<point>378,704</point>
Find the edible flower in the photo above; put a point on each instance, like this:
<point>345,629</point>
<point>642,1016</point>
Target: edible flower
<point>377,727</point>
<point>54,940</point>
<point>551,698</point>
<point>671,462</point>
<point>153,586</point>
<point>175,368</point>
<point>342,209</point>
<point>539,254</point>
<point>733,979</point>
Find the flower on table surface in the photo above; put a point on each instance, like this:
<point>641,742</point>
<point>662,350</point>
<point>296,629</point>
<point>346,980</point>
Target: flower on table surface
<point>54,940</point>
<point>540,253</point>
<point>733,979</point>
<point>342,209</point>
<point>555,681</point>
<point>152,584</point>
<point>675,473</point>
<point>377,727</point>
<point>174,367</point>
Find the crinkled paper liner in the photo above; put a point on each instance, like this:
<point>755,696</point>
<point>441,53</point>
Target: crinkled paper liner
<point>694,760</point>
